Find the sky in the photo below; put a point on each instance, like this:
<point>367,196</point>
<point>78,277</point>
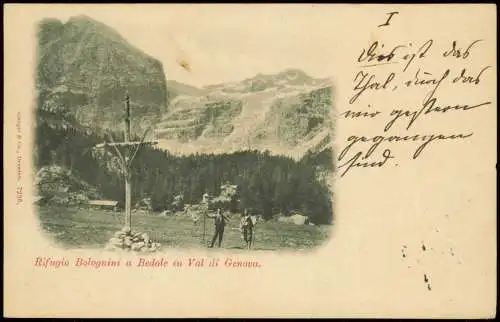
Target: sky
<point>224,44</point>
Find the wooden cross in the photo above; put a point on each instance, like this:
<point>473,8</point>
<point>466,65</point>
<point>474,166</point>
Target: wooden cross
<point>132,147</point>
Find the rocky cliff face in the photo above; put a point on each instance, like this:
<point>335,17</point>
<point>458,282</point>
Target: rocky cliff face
<point>287,113</point>
<point>61,186</point>
<point>84,69</point>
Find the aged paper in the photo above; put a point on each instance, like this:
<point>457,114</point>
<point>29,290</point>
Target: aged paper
<point>250,160</point>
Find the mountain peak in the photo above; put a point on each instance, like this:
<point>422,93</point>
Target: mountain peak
<point>294,71</point>
<point>94,65</point>
<point>88,24</point>
<point>288,73</point>
<point>84,21</point>
<point>81,17</point>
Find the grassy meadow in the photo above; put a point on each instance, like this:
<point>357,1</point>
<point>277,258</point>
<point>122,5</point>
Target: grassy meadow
<point>90,228</point>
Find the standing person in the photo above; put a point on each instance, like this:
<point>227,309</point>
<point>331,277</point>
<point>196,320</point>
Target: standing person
<point>246,227</point>
<point>205,204</point>
<point>220,223</point>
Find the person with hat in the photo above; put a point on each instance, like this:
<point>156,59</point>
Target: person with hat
<point>219,224</point>
<point>246,228</point>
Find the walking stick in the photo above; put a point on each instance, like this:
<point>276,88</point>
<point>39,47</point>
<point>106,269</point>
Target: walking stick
<point>204,225</point>
<point>252,243</point>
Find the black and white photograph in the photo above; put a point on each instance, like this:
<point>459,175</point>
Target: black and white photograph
<point>127,157</point>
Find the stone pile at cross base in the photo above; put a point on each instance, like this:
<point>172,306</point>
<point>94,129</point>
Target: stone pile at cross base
<point>129,240</point>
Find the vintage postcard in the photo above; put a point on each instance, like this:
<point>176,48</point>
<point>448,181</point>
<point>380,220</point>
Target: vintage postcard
<point>250,160</point>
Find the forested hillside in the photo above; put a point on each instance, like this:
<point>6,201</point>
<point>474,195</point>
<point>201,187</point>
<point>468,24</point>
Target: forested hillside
<point>268,184</point>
